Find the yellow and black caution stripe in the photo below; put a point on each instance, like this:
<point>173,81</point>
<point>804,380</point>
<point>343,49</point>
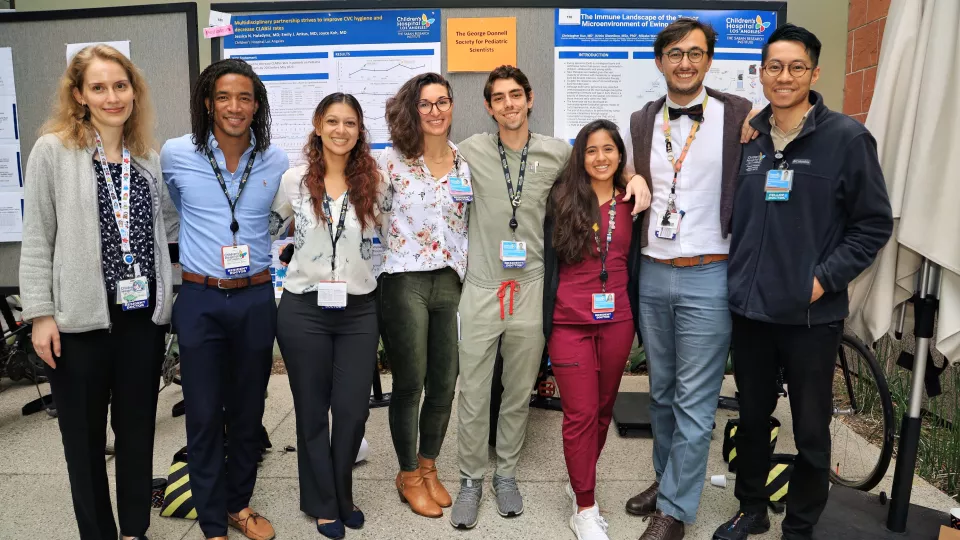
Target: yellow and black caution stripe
<point>178,499</point>
<point>778,481</point>
<point>729,440</point>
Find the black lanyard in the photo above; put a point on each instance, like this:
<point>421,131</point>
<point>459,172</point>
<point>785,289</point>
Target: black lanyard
<point>515,197</point>
<point>611,226</point>
<point>340,226</point>
<point>234,225</point>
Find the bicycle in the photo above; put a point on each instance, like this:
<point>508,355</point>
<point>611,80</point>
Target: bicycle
<point>862,418</point>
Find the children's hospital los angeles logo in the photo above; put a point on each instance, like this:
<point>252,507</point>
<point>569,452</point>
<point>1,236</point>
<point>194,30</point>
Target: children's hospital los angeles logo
<point>414,27</point>
<point>747,30</point>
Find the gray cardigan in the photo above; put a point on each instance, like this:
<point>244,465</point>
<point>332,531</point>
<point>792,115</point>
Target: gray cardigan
<point>61,270</point>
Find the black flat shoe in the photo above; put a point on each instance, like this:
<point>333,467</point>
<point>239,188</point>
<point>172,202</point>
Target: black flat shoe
<point>355,521</point>
<point>332,530</point>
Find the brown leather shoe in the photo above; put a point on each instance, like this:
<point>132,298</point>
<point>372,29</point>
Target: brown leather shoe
<point>413,492</point>
<point>252,525</point>
<point>662,527</point>
<point>645,503</point>
<point>428,470</point>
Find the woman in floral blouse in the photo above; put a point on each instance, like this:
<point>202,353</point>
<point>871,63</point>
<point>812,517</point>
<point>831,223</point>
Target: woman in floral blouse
<point>425,259</point>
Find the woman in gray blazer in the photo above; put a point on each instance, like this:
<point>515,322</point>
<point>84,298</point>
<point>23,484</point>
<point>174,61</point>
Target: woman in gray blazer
<point>95,280</point>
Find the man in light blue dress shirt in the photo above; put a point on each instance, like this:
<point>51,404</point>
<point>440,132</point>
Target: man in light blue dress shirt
<point>222,179</point>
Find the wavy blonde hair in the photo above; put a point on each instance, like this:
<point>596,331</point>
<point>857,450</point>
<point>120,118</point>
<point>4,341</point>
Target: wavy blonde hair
<point>70,121</point>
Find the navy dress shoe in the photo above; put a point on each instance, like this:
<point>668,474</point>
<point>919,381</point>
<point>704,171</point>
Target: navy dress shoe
<point>355,521</point>
<point>332,530</point>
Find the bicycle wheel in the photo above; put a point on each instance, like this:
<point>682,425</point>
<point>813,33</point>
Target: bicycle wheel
<point>861,430</point>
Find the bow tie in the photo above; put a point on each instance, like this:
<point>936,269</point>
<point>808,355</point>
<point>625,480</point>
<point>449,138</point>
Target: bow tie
<point>695,113</point>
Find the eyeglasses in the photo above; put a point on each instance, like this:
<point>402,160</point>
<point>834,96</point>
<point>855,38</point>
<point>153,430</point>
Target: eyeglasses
<point>443,105</point>
<point>675,56</point>
<point>796,69</point>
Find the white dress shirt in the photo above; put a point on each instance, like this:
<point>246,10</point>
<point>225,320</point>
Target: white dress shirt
<point>698,185</point>
<point>313,253</point>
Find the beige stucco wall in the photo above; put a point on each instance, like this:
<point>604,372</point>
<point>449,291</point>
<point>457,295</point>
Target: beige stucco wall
<point>826,18</point>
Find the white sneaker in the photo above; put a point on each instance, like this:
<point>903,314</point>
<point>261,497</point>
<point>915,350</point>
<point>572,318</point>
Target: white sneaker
<point>589,524</point>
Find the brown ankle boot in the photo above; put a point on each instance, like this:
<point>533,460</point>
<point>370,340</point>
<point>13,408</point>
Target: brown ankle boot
<point>428,470</point>
<point>413,492</point>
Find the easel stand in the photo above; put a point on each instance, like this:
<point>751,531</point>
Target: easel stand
<point>852,515</point>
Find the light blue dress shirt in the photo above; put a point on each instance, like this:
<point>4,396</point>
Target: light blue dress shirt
<point>205,212</point>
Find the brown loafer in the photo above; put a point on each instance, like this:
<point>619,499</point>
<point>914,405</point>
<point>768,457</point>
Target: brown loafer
<point>413,492</point>
<point>662,527</point>
<point>645,503</point>
<point>252,525</point>
<point>428,470</point>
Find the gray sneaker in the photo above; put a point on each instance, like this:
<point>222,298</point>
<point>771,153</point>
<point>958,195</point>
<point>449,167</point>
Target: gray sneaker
<point>509,500</point>
<point>467,506</point>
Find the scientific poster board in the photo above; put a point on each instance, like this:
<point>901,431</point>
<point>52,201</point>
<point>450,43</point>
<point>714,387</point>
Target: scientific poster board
<point>303,57</point>
<point>605,68</point>
<point>163,44</point>
<point>11,169</point>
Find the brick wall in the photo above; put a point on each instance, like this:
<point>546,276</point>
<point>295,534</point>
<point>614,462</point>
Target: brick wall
<point>865,24</point>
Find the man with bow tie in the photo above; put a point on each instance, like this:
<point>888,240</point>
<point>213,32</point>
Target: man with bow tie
<point>687,146</point>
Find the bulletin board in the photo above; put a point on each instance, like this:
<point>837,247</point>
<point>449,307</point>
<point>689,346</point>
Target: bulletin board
<point>163,44</point>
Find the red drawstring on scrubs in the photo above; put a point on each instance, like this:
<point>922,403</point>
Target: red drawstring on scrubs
<point>502,291</point>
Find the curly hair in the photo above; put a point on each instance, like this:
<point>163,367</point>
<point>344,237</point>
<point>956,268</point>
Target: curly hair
<point>201,119</point>
<point>70,121</point>
<point>363,178</point>
<point>402,115</point>
<point>572,202</point>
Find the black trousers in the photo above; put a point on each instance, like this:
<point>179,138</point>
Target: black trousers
<point>226,350</point>
<point>119,368</point>
<point>808,355</point>
<point>330,357</point>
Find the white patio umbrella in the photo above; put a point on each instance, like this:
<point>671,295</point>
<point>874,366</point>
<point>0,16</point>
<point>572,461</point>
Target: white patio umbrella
<point>915,117</point>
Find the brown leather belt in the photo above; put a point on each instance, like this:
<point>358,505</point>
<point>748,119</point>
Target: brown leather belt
<point>698,260</point>
<point>228,283</point>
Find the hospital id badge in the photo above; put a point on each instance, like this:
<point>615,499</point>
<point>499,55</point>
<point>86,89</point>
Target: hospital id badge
<point>603,306</point>
<point>332,294</point>
<point>513,254</point>
<point>671,229</point>
<point>460,189</point>
<point>778,185</point>
<point>236,259</point>
<point>133,293</point>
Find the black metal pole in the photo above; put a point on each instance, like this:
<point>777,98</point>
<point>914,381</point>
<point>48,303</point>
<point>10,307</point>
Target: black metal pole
<point>924,311</point>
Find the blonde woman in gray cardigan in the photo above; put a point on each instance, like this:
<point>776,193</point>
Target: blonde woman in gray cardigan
<point>95,280</point>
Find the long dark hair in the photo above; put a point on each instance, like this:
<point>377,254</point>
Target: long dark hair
<point>572,202</point>
<point>403,118</point>
<point>201,120</point>
<point>361,173</point>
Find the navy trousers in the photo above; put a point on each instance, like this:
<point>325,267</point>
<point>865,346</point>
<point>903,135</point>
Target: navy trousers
<point>226,352</point>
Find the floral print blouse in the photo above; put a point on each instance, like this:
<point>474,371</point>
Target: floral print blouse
<point>425,229</point>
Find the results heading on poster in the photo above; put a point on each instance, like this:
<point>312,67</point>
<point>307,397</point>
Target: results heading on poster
<point>302,57</point>
<point>604,64</point>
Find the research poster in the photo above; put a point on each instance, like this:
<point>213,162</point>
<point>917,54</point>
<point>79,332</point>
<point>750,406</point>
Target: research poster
<point>11,170</point>
<point>302,57</point>
<point>604,64</point>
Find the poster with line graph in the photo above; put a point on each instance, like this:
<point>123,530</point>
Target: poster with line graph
<point>302,57</point>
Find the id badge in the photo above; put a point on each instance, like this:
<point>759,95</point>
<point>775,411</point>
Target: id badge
<point>779,184</point>
<point>460,189</point>
<point>670,231</point>
<point>332,294</point>
<point>603,306</point>
<point>513,254</point>
<point>236,259</point>
<point>133,293</point>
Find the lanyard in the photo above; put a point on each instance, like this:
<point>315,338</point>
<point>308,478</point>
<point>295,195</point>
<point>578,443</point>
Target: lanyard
<point>678,163</point>
<point>515,197</point>
<point>340,226</point>
<point>611,225</point>
<point>121,204</point>
<point>234,225</point>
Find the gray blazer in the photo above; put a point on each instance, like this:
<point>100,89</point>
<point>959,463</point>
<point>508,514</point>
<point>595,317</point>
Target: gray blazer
<point>61,270</point>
